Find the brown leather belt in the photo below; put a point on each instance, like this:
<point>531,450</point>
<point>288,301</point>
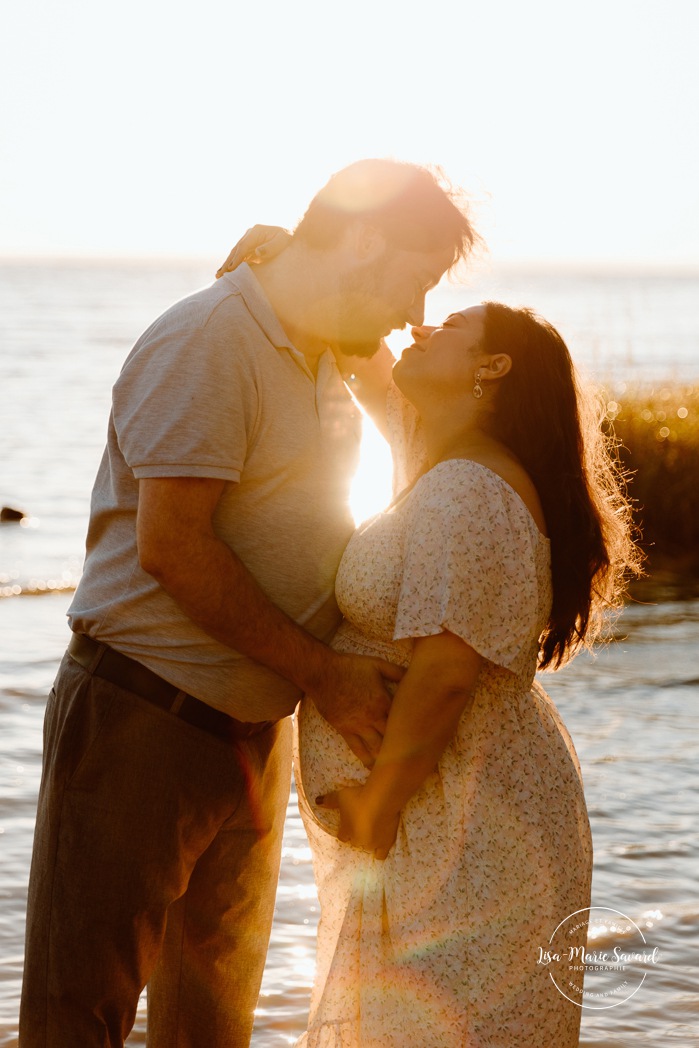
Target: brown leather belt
<point>108,664</point>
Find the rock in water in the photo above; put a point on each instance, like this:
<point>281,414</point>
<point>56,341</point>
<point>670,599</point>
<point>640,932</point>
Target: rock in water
<point>8,515</point>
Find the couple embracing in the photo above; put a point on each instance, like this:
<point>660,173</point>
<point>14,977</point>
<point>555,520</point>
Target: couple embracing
<point>224,581</point>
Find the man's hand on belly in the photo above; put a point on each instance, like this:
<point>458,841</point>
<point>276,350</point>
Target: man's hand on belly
<point>352,695</point>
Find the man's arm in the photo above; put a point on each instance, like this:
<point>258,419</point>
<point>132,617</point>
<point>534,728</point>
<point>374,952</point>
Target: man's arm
<point>179,548</point>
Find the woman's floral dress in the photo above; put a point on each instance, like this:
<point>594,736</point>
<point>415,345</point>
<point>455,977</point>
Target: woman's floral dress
<point>440,945</point>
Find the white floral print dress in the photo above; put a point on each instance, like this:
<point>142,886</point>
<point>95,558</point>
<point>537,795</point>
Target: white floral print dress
<point>438,946</point>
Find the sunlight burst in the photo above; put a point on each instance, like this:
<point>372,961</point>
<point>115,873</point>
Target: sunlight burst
<point>371,487</point>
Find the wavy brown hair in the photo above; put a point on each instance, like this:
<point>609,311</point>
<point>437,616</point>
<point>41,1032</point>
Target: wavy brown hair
<point>415,208</point>
<point>541,413</point>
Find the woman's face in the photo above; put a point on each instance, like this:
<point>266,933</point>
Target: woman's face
<point>441,359</point>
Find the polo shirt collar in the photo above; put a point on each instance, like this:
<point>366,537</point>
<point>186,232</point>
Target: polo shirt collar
<point>259,305</point>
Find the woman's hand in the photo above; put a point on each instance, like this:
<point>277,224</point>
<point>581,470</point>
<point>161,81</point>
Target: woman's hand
<point>260,243</point>
<point>372,831</point>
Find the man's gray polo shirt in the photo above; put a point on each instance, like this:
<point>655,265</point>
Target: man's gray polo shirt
<point>215,389</point>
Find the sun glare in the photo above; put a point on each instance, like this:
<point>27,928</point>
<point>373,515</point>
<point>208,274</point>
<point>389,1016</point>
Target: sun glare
<point>371,488</point>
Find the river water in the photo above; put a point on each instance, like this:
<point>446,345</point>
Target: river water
<point>631,709</point>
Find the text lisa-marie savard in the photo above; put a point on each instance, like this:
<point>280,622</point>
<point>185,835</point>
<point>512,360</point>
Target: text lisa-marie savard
<point>599,957</point>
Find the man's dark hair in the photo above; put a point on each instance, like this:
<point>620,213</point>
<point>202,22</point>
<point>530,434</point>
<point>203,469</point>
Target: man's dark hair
<point>404,201</point>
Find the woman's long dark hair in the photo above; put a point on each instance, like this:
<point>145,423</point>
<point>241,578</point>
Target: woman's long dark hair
<point>540,413</point>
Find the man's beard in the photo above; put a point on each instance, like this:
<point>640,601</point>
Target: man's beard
<point>364,349</point>
<point>359,327</point>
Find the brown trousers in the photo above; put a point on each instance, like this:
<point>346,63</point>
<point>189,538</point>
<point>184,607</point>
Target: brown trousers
<point>156,858</point>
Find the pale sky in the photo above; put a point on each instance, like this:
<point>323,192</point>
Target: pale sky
<point>147,127</point>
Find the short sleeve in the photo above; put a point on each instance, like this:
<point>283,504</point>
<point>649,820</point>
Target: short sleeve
<point>186,400</point>
<point>470,564</point>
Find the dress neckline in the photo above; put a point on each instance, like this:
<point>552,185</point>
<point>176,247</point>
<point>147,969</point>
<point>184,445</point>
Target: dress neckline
<point>402,495</point>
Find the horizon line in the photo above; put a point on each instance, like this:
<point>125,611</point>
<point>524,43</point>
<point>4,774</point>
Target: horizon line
<point>543,264</point>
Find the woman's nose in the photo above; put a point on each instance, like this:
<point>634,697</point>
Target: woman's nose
<point>421,331</point>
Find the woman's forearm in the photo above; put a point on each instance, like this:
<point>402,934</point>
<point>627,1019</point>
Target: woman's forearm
<point>427,706</point>
<point>369,379</point>
<point>410,752</point>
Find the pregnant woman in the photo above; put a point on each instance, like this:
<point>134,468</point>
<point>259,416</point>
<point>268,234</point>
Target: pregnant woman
<point>444,870</point>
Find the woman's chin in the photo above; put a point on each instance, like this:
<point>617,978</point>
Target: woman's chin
<point>401,377</point>
<point>396,372</point>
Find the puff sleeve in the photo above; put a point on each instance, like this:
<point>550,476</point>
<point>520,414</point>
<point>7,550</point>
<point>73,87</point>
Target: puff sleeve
<point>470,565</point>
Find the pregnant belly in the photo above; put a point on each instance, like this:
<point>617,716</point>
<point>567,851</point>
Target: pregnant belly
<point>323,760</point>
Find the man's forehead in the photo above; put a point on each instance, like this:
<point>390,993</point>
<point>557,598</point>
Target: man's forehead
<point>426,266</point>
<point>434,265</point>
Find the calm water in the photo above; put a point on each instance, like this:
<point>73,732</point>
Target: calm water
<point>632,711</point>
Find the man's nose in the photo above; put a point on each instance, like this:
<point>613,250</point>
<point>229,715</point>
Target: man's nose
<point>416,313</point>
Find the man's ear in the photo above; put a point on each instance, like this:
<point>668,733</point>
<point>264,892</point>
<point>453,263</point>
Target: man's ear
<point>367,241</point>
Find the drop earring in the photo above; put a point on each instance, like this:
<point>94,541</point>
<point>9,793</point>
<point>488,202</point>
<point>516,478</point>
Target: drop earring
<point>478,389</point>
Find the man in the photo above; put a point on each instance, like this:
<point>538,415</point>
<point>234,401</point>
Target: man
<point>218,518</point>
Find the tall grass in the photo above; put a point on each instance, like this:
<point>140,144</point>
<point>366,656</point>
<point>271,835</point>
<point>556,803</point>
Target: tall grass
<point>657,429</point>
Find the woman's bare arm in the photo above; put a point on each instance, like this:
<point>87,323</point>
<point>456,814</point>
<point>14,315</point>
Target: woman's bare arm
<point>369,378</point>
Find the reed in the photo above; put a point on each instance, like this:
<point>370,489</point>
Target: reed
<point>657,432</point>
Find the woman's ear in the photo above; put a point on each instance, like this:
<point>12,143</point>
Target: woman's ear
<point>497,367</point>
